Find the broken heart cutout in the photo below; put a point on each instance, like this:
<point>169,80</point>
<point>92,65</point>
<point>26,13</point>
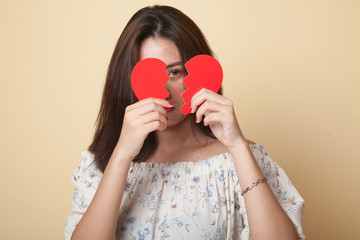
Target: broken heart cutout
<point>149,76</point>
<point>204,72</point>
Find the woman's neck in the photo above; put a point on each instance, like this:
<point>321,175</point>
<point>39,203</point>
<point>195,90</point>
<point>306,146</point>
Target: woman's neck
<point>184,142</point>
<point>180,137</point>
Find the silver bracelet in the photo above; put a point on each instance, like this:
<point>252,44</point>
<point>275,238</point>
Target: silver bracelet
<point>253,185</point>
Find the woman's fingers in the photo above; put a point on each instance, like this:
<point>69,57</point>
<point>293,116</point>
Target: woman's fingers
<point>206,95</point>
<point>150,107</point>
<point>148,110</point>
<point>208,107</point>
<point>154,125</point>
<point>206,101</point>
<point>214,117</point>
<point>161,102</point>
<point>152,116</point>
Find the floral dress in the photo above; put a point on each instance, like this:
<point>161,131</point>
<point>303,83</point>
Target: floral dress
<point>184,200</point>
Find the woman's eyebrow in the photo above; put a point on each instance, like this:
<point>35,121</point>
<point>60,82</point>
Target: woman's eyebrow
<point>173,65</point>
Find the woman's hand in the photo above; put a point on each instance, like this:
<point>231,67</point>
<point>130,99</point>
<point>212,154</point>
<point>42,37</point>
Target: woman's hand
<point>220,116</point>
<point>140,119</point>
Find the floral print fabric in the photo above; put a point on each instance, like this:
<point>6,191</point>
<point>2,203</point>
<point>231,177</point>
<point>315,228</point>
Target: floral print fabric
<point>184,200</point>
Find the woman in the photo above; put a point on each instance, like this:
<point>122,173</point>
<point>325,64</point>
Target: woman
<point>152,172</point>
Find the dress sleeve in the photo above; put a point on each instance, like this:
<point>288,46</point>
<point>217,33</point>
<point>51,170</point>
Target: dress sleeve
<point>86,179</point>
<point>283,189</point>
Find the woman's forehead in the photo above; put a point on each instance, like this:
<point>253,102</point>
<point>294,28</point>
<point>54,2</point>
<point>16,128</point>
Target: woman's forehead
<point>161,48</point>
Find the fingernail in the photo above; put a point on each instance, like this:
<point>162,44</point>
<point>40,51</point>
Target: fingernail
<point>172,104</point>
<point>166,109</point>
<point>167,118</point>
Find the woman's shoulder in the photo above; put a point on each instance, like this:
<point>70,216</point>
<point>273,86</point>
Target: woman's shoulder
<point>250,142</point>
<point>216,145</point>
<point>87,167</point>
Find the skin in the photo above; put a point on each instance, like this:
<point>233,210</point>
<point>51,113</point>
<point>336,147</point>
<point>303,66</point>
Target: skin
<point>267,220</point>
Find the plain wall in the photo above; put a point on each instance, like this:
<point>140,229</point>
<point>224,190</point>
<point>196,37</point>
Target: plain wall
<point>291,68</point>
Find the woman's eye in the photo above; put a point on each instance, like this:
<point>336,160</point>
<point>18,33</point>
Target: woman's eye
<point>174,73</point>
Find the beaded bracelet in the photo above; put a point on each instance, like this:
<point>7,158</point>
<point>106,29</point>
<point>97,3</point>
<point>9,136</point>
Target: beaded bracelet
<point>253,185</point>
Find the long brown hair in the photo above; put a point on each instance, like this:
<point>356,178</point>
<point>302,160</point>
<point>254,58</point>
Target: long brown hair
<point>155,21</point>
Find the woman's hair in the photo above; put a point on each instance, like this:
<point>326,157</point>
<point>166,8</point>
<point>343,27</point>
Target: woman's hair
<point>155,21</point>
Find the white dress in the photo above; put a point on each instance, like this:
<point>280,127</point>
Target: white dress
<point>184,200</point>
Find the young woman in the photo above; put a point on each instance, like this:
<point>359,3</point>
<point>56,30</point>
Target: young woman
<point>152,172</point>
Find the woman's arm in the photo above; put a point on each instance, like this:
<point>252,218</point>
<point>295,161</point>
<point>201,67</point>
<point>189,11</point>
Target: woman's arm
<point>267,219</point>
<point>100,219</point>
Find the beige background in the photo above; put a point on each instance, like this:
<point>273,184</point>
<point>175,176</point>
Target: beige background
<point>291,68</point>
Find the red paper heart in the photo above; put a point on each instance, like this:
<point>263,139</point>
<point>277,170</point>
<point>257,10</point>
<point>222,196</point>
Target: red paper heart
<point>204,72</point>
<point>149,76</point>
